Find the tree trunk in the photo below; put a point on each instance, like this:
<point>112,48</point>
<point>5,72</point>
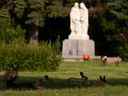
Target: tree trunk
<point>34,34</point>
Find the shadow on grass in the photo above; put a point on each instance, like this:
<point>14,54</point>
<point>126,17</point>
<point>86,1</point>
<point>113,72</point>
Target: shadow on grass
<point>28,83</point>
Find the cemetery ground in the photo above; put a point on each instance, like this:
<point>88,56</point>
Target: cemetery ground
<point>66,81</point>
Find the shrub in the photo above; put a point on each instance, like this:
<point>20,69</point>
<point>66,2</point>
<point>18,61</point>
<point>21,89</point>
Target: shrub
<point>123,51</point>
<point>40,57</point>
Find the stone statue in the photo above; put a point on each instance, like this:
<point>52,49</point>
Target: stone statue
<point>79,22</point>
<point>84,20</point>
<point>75,20</point>
<point>78,43</point>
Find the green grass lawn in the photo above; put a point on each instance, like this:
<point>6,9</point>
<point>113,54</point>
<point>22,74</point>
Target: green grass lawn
<point>60,85</point>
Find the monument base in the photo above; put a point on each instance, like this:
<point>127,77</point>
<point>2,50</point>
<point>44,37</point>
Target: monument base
<point>78,37</point>
<point>73,48</point>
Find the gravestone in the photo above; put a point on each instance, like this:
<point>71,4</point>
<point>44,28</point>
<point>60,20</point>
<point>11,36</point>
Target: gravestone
<point>78,43</point>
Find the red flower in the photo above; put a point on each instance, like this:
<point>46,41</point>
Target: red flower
<point>86,57</point>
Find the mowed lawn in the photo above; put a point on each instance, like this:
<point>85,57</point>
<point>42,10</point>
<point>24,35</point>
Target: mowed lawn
<point>66,81</point>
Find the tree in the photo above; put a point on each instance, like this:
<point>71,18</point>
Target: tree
<point>7,32</point>
<point>114,26</point>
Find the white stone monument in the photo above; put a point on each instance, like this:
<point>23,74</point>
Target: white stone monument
<point>79,22</point>
<point>79,42</point>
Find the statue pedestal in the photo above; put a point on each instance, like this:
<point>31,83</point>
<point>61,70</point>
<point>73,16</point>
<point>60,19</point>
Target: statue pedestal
<point>78,37</point>
<point>76,48</point>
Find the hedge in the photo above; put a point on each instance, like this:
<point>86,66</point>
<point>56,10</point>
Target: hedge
<point>31,57</point>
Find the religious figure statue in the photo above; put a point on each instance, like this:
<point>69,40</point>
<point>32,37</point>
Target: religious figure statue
<point>79,22</point>
<point>75,19</point>
<point>84,20</point>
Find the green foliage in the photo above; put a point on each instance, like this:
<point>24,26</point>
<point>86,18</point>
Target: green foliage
<point>20,6</point>
<point>4,19</point>
<point>114,26</point>
<point>119,8</point>
<point>32,57</point>
<point>37,11</point>
<point>10,34</point>
<point>7,31</point>
<point>55,9</point>
<point>123,50</point>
